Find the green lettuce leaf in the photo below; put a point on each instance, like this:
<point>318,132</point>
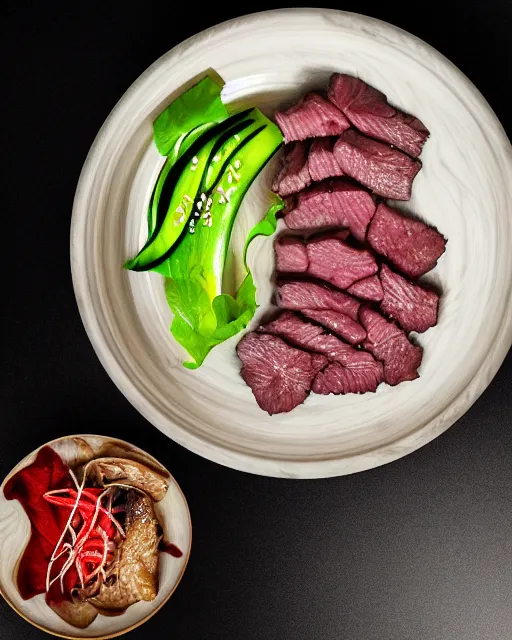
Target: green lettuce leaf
<point>200,324</point>
<point>189,115</point>
<point>265,227</point>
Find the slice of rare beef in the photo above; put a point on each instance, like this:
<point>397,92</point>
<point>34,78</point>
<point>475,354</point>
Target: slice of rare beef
<point>333,260</point>
<point>333,203</point>
<point>291,327</point>
<point>386,171</point>
<point>390,344</point>
<point>312,338</point>
<point>409,244</point>
<point>367,289</point>
<point>337,379</point>
<point>312,117</point>
<point>301,294</point>
<point>321,161</point>
<point>369,111</point>
<point>291,255</point>
<point>294,175</point>
<point>412,306</point>
<point>337,322</point>
<point>279,375</point>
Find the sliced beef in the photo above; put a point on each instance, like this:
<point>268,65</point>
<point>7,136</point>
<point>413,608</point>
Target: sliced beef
<point>294,175</point>
<point>291,255</point>
<point>386,171</point>
<point>409,244</point>
<point>291,327</point>
<point>412,306</point>
<point>321,161</point>
<point>369,111</point>
<point>334,203</point>
<point>312,117</point>
<point>279,375</point>
<point>367,370</point>
<point>390,344</point>
<point>333,260</point>
<point>367,289</point>
<point>358,205</point>
<point>312,209</point>
<point>337,379</point>
<point>337,322</point>
<point>310,295</point>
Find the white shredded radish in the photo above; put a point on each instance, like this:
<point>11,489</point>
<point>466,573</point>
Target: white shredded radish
<point>75,549</point>
<point>63,534</point>
<point>79,544</point>
<point>73,477</point>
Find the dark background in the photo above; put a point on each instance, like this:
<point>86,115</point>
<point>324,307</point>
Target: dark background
<point>417,550</point>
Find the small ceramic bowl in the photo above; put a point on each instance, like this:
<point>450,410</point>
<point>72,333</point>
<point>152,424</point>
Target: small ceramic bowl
<point>15,529</point>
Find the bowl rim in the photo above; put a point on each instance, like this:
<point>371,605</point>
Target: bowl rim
<point>21,465</point>
<point>300,468</point>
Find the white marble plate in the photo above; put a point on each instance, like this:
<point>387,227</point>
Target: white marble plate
<point>173,515</point>
<point>465,189</point>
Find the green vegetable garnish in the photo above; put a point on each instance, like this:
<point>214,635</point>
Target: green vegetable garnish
<point>201,323</point>
<point>194,110</point>
<point>234,163</point>
<point>181,184</point>
<point>212,159</point>
<point>182,123</point>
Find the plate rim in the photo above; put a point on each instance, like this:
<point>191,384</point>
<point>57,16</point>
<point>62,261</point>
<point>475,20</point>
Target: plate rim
<point>21,465</point>
<point>260,465</point>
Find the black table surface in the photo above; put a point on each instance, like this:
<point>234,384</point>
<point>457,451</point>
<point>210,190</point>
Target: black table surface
<point>420,549</point>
